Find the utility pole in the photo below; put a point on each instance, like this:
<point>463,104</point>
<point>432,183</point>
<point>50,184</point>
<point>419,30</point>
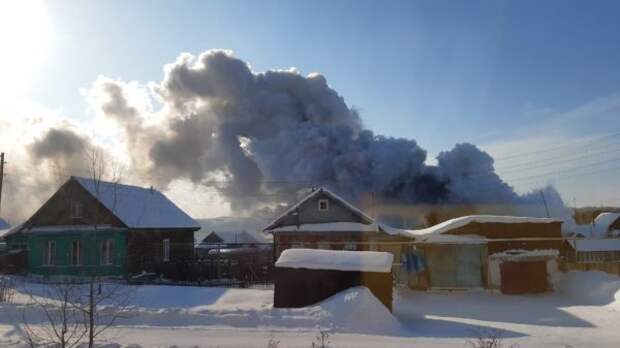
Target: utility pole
<point>544,202</point>
<point>1,178</point>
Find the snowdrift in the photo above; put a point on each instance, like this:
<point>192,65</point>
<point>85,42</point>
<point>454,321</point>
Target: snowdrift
<point>355,310</point>
<point>591,288</point>
<point>358,310</point>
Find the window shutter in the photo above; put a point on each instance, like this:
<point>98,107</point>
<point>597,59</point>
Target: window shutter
<point>111,252</point>
<point>53,252</point>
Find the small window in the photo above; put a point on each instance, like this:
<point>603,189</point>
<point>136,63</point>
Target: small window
<point>76,209</point>
<point>76,253</point>
<point>297,246</point>
<point>49,253</point>
<point>107,252</point>
<point>323,205</point>
<point>166,250</point>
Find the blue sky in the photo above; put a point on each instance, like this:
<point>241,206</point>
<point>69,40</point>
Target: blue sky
<point>494,73</point>
<point>406,65</point>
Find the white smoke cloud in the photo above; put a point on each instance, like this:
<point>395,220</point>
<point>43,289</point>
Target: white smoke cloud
<point>257,138</point>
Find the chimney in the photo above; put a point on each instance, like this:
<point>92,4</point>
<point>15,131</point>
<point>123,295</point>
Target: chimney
<point>151,188</point>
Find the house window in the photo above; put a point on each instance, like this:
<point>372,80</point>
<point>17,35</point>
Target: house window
<point>107,252</point>
<point>297,246</point>
<point>76,209</point>
<point>323,205</point>
<point>166,250</point>
<point>76,253</point>
<point>49,253</point>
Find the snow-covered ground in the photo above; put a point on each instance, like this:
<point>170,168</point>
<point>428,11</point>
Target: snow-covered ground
<point>585,312</point>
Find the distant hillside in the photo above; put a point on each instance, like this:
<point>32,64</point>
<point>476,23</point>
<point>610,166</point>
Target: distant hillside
<point>586,215</point>
<point>252,225</point>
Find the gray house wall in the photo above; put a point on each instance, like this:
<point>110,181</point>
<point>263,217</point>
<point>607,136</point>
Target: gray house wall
<point>309,213</point>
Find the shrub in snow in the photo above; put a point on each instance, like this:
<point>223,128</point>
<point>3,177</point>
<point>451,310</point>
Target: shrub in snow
<point>491,338</point>
<point>321,340</point>
<point>6,290</point>
<point>273,343</point>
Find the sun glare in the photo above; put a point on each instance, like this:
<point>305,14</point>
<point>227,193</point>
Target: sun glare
<point>25,42</point>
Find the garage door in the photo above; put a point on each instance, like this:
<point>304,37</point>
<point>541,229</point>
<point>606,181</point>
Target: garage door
<point>455,266</point>
<point>524,277</point>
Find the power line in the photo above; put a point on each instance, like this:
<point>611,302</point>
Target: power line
<point>554,148</point>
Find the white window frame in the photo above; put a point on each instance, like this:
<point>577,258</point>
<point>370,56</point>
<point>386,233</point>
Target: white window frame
<point>76,254</point>
<point>107,253</point>
<point>166,250</point>
<point>77,210</point>
<point>321,202</point>
<point>49,253</point>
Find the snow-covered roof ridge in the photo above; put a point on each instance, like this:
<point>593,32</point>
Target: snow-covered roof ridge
<point>329,227</point>
<point>464,220</point>
<point>603,221</point>
<point>138,207</point>
<point>10,231</point>
<point>517,253</point>
<point>338,260</point>
<point>234,237</point>
<point>312,195</point>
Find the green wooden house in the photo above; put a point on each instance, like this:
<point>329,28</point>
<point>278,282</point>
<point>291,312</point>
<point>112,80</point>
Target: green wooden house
<point>106,229</point>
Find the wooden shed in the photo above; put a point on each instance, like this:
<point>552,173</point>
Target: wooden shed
<point>304,277</point>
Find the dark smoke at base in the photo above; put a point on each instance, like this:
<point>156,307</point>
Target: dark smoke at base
<point>258,138</point>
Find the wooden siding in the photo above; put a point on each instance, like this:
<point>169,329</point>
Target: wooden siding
<point>524,277</point>
<point>145,252</point>
<point>308,213</point>
<point>91,253</point>
<point>303,287</point>
<point>336,240</point>
<point>57,210</point>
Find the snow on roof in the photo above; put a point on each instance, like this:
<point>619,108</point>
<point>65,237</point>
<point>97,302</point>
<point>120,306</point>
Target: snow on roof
<point>329,194</point>
<point>516,254</point>
<point>138,207</point>
<point>451,239</point>
<point>596,244</point>
<point>4,225</point>
<point>9,231</point>
<point>602,223</point>
<point>70,228</point>
<point>328,227</point>
<point>339,260</point>
<point>234,237</point>
<point>465,220</point>
<point>5,228</point>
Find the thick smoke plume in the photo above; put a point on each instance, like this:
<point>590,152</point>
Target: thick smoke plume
<point>258,138</point>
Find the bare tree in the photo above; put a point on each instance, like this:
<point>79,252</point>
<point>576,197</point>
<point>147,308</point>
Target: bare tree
<point>64,325</point>
<point>104,303</point>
